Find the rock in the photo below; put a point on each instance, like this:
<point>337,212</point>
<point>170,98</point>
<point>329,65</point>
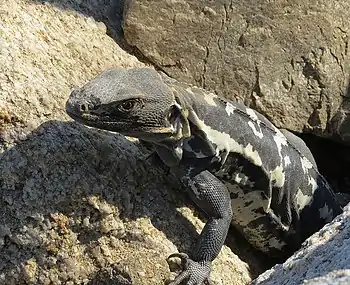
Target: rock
<point>79,206</point>
<point>45,52</point>
<point>337,277</point>
<point>286,59</point>
<point>323,259</point>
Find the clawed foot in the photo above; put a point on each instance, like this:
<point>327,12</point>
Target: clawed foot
<point>195,273</point>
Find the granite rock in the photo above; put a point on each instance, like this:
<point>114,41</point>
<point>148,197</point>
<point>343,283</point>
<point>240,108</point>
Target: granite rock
<point>287,59</point>
<point>324,257</point>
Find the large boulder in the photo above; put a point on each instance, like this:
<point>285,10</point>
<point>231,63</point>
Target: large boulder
<point>286,59</point>
<point>79,206</point>
<point>323,259</point>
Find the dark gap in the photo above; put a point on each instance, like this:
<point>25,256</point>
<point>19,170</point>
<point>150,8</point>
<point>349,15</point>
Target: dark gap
<point>333,160</point>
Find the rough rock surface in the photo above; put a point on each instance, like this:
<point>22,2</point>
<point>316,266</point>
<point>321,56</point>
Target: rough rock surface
<point>288,59</point>
<point>82,206</point>
<point>323,259</point>
<point>338,277</point>
<point>78,206</point>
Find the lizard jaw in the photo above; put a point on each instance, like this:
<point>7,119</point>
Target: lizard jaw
<point>171,127</point>
<point>151,133</point>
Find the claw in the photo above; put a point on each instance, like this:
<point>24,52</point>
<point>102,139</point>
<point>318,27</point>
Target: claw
<point>183,256</point>
<point>196,273</point>
<point>184,274</point>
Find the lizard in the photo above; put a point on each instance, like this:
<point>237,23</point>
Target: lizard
<point>236,166</point>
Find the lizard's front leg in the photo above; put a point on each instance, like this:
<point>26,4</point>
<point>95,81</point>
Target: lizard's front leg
<point>212,196</point>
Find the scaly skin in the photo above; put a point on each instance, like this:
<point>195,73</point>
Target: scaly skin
<point>237,166</point>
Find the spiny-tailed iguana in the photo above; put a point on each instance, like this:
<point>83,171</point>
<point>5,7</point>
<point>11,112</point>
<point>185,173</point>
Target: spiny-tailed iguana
<point>237,166</point>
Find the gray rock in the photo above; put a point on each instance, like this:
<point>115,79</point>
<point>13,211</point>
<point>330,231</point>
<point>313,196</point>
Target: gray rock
<point>324,257</point>
<point>286,59</point>
<point>338,277</point>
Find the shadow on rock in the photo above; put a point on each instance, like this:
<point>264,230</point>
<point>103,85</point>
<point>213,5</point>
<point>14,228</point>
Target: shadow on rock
<point>69,184</point>
<point>66,188</point>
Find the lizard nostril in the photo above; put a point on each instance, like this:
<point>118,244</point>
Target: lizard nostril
<point>84,107</point>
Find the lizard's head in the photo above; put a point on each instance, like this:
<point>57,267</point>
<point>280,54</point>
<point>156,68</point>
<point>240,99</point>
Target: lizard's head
<point>134,102</point>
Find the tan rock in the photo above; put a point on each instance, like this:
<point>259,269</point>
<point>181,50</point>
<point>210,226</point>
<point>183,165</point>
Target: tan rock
<point>286,59</point>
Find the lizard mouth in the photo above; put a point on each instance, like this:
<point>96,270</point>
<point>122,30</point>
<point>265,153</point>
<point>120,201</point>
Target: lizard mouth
<point>176,126</point>
<point>177,118</point>
<point>170,127</point>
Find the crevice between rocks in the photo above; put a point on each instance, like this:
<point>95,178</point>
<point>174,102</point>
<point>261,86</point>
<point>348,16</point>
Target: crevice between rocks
<point>333,160</point>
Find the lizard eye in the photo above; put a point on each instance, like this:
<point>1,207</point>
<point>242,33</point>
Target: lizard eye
<point>127,105</point>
